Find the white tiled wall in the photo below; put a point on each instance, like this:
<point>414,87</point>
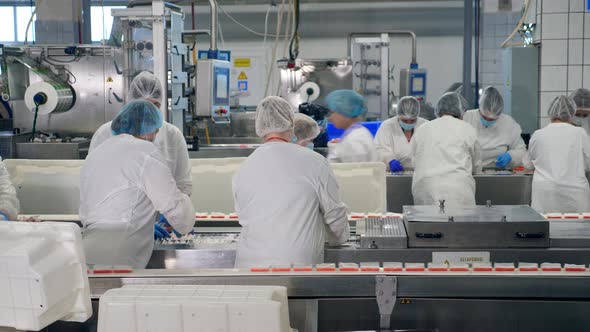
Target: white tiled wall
<point>565,49</point>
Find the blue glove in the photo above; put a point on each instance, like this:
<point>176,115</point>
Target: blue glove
<point>160,232</point>
<point>503,160</point>
<point>396,166</point>
<point>3,216</point>
<point>164,223</point>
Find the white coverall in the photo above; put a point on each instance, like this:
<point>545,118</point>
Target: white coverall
<point>392,144</point>
<point>355,146</point>
<point>288,202</point>
<point>503,136</point>
<point>9,203</point>
<point>171,144</point>
<point>560,154</point>
<point>123,183</point>
<point>446,155</point>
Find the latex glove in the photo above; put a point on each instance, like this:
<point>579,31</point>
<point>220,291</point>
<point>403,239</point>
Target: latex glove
<point>160,232</point>
<point>503,160</point>
<point>3,216</point>
<point>396,166</point>
<point>164,223</point>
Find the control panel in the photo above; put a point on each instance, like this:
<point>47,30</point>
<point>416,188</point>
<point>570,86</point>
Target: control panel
<point>212,90</point>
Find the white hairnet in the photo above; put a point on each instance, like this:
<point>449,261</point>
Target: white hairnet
<point>408,107</point>
<point>581,98</point>
<point>451,103</point>
<point>305,127</point>
<point>273,115</point>
<point>146,85</point>
<point>491,103</point>
<point>562,108</point>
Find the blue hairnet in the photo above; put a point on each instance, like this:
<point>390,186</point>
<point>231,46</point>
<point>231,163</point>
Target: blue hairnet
<point>347,103</point>
<point>137,118</point>
<point>491,103</point>
<point>451,103</point>
<point>408,108</point>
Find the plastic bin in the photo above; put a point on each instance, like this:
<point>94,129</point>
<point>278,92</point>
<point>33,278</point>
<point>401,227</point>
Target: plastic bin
<point>334,132</point>
<point>43,275</point>
<point>170,308</point>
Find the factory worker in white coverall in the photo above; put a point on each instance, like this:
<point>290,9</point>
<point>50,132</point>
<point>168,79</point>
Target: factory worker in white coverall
<point>582,99</point>
<point>286,196</point>
<point>123,184</point>
<point>306,130</point>
<point>446,155</point>
<point>170,140</point>
<point>498,133</point>
<point>356,144</point>
<point>394,137</point>
<point>560,155</point>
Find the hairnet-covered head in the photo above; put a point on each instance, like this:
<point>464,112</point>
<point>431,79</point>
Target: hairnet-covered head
<point>137,118</point>
<point>582,98</point>
<point>562,108</point>
<point>146,86</point>
<point>408,108</point>
<point>451,103</point>
<point>305,127</point>
<point>491,103</point>
<point>273,115</point>
<point>347,103</point>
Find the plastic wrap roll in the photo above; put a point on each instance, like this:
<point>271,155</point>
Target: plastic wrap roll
<point>60,98</point>
<point>306,88</point>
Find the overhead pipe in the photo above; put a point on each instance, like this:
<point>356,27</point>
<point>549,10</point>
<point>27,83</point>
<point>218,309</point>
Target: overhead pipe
<point>213,28</point>
<point>390,33</point>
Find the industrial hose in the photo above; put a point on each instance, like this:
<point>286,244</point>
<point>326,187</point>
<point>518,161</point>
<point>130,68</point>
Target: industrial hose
<point>35,122</point>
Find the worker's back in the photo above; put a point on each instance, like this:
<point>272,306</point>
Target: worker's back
<point>114,208</point>
<point>282,193</point>
<point>446,153</point>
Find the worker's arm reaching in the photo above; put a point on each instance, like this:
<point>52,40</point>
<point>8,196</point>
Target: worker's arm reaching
<point>9,205</point>
<point>161,189</point>
<point>334,210</point>
<point>517,148</point>
<point>476,158</point>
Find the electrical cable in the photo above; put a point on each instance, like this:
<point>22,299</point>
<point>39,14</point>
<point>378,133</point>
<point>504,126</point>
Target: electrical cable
<point>290,23</point>
<point>38,2</point>
<point>294,45</point>
<point>243,26</point>
<point>274,52</point>
<point>266,26</point>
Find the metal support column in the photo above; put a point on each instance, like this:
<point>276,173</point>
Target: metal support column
<point>160,51</point>
<point>468,51</point>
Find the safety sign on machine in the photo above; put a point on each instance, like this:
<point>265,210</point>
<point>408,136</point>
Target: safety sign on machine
<point>243,82</point>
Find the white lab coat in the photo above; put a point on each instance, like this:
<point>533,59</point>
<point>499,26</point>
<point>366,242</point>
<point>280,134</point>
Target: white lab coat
<point>171,144</point>
<point>560,154</point>
<point>392,144</point>
<point>288,202</point>
<point>503,136</point>
<point>123,183</point>
<point>356,145</point>
<point>9,203</point>
<point>446,154</point>
<point>585,122</point>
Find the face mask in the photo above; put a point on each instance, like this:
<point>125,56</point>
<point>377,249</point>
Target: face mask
<point>407,126</point>
<point>294,139</point>
<point>310,146</point>
<point>486,123</point>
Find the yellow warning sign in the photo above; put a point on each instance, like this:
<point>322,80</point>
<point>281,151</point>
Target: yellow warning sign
<point>405,301</point>
<point>242,76</point>
<point>109,79</point>
<point>242,62</point>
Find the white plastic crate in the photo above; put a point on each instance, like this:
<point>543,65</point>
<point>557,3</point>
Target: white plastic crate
<point>170,308</point>
<point>42,275</point>
<point>212,183</point>
<point>362,186</point>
